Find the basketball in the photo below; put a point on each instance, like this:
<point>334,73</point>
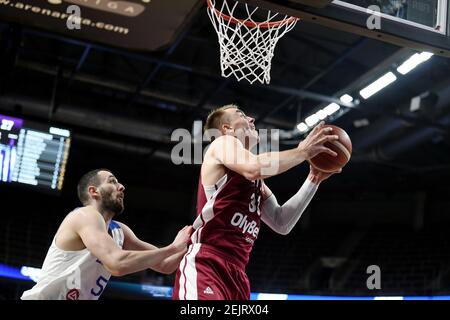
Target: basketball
<point>343,147</point>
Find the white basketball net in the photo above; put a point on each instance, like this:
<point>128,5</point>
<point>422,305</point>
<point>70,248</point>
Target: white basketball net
<point>247,46</point>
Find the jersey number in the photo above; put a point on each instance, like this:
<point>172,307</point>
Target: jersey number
<point>254,203</point>
<point>100,286</point>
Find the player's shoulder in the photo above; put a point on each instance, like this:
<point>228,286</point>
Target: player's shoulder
<point>215,151</point>
<point>77,218</point>
<point>225,138</point>
<point>85,214</point>
<point>224,141</point>
<point>85,210</point>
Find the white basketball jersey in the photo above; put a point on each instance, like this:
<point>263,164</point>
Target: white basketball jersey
<point>72,275</point>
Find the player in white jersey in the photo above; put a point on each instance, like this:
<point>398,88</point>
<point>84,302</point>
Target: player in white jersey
<point>89,246</point>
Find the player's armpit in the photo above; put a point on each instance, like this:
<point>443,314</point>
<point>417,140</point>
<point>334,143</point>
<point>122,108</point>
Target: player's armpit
<point>132,242</point>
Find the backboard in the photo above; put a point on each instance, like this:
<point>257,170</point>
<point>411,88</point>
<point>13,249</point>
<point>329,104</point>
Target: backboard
<point>416,24</point>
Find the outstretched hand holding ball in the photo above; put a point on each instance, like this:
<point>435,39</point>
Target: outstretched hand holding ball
<point>328,163</point>
<point>328,149</point>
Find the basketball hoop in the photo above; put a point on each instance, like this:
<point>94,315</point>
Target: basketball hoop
<point>247,45</point>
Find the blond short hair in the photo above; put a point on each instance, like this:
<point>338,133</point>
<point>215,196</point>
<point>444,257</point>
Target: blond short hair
<point>215,118</point>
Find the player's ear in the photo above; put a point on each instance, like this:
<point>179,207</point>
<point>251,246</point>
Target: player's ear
<point>93,192</point>
<point>227,128</point>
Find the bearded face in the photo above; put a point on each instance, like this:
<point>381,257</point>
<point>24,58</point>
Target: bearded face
<point>112,200</point>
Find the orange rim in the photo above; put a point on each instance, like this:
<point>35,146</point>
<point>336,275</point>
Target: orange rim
<point>250,24</point>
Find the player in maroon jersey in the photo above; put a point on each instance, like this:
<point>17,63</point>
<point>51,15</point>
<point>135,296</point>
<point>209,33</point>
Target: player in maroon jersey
<point>233,199</point>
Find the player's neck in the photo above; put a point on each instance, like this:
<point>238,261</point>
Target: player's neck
<point>249,146</point>
<point>245,142</point>
<point>106,214</point>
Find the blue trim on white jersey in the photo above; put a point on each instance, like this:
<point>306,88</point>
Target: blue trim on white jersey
<point>113,225</point>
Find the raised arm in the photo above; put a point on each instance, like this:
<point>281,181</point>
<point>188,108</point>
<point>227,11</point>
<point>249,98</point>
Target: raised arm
<point>282,219</point>
<point>166,266</point>
<point>229,151</point>
<point>91,228</point>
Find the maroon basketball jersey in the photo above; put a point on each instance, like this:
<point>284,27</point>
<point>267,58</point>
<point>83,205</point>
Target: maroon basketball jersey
<point>228,215</point>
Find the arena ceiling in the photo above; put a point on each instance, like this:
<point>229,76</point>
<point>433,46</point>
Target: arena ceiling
<point>133,101</point>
